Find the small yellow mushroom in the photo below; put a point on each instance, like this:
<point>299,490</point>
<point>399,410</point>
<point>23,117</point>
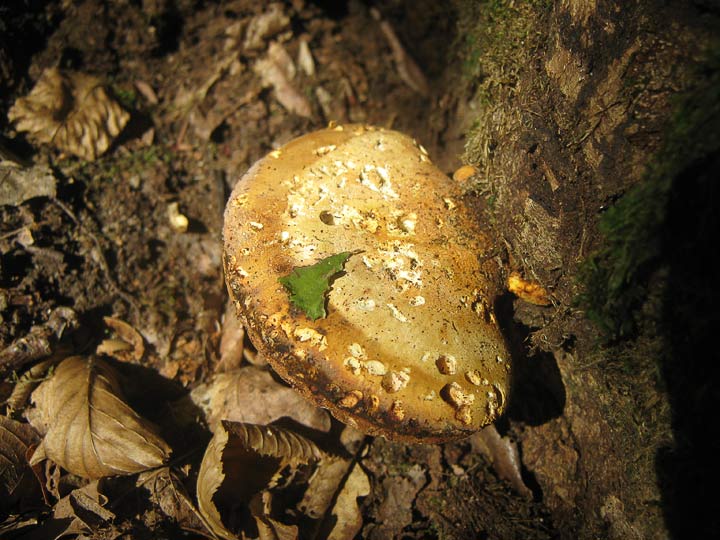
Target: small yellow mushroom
<point>530,291</point>
<point>464,173</point>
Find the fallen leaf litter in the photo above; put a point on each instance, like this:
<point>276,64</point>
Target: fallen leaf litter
<point>405,269</point>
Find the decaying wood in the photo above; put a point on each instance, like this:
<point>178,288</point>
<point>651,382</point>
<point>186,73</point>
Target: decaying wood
<point>40,342</point>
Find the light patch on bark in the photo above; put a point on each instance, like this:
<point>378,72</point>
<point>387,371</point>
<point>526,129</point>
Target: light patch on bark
<point>608,105</point>
<point>540,230</point>
<point>567,71</point>
<point>580,10</point>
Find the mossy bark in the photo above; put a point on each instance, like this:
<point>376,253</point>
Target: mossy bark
<point>575,106</point>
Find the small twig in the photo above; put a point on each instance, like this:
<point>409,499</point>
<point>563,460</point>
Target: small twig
<point>41,341</point>
<point>12,233</point>
<point>30,380</point>
<point>409,71</point>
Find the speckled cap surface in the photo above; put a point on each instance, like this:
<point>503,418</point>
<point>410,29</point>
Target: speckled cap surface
<point>410,347</point>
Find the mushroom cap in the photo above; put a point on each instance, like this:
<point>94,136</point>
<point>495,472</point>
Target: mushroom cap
<point>409,348</point>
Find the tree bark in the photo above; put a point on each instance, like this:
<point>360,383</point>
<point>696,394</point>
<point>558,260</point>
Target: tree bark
<point>576,103</point>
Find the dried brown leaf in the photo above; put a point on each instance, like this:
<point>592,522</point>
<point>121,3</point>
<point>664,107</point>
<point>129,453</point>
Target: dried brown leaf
<point>19,184</point>
<point>252,396</point>
<point>169,495</point>
<point>16,478</point>
<point>269,528</point>
<point>15,526</point>
<point>265,25</point>
<point>352,439</point>
<point>117,348</point>
<point>275,74</point>
<point>348,518</point>
<point>71,111</point>
<point>231,340</point>
<point>81,512</point>
<point>242,460</point>
<point>26,383</point>
<point>323,486</point>
<point>90,430</point>
<point>87,505</point>
<point>128,334</point>
<point>272,529</point>
<point>504,455</point>
<point>52,473</point>
<point>210,479</point>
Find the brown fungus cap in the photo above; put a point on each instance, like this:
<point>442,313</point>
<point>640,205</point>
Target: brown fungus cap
<point>409,347</point>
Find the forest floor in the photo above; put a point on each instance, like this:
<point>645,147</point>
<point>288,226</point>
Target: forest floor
<point>132,243</point>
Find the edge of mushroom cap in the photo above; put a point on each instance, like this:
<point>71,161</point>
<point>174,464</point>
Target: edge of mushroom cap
<point>347,416</point>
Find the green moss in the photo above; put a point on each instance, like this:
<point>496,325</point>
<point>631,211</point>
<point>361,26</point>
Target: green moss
<point>499,39</point>
<point>615,278</point>
<point>495,36</point>
<point>139,160</point>
<point>128,98</point>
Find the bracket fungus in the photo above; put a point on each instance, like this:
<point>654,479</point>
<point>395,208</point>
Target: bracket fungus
<point>406,345</point>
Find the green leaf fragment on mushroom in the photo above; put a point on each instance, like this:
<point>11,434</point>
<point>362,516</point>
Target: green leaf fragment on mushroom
<point>308,285</point>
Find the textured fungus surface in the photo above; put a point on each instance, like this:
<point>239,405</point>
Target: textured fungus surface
<point>409,348</point>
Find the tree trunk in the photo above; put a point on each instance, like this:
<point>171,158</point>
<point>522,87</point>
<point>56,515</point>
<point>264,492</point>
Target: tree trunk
<point>578,107</point>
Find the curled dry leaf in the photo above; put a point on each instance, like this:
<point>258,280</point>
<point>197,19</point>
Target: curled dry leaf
<point>275,73</point>
<point>504,455</point>
<point>71,111</point>
<point>89,429</point>
<point>169,495</point>
<point>16,479</point>
<point>116,348</point>
<point>323,486</point>
<point>252,396</point>
<point>26,383</point>
<point>21,184</point>
<point>80,514</point>
<point>86,506</point>
<point>346,512</point>
<point>128,346</point>
<point>242,460</point>
<point>269,528</point>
